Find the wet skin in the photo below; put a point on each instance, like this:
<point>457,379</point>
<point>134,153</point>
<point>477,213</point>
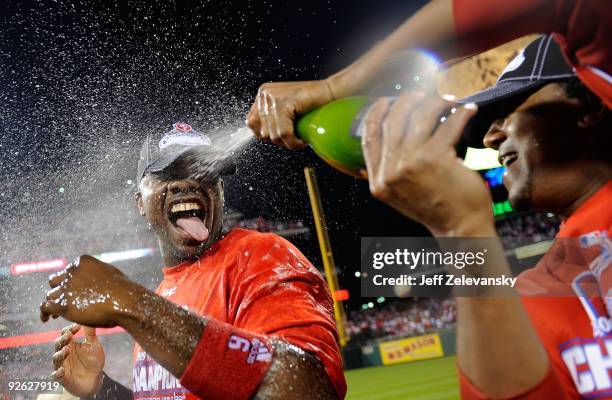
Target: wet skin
<point>96,294</point>
<point>557,151</point>
<point>155,198</point>
<point>554,161</point>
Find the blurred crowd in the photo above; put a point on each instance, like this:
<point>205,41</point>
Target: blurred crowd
<point>401,319</point>
<point>521,229</point>
<point>263,225</point>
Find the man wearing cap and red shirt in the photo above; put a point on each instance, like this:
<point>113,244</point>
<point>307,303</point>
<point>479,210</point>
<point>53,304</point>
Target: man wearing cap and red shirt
<point>235,317</point>
<point>553,137</point>
<point>507,348</point>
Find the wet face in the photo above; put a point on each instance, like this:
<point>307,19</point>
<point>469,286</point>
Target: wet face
<point>185,214</point>
<point>540,144</point>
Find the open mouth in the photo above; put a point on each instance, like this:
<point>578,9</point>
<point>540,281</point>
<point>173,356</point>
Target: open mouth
<point>188,217</point>
<point>186,209</point>
<point>507,159</point>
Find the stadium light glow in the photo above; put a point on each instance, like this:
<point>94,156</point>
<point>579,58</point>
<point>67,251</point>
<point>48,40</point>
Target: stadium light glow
<point>115,256</point>
<point>341,295</point>
<point>495,176</point>
<point>38,266</point>
<point>34,338</point>
<point>60,263</point>
<point>481,159</point>
<point>501,208</point>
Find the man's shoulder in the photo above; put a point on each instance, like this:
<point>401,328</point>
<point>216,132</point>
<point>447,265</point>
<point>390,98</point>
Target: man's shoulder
<point>261,252</point>
<point>246,238</point>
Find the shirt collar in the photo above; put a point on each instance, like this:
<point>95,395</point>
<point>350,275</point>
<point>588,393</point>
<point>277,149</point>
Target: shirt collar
<point>595,214</point>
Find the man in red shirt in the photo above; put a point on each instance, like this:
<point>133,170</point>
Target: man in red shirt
<point>553,137</point>
<point>235,317</point>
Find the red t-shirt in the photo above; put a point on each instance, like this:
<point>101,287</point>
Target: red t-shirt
<point>583,28</point>
<point>576,331</point>
<point>254,281</point>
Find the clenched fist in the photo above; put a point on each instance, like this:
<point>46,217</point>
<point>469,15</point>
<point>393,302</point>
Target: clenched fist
<point>89,292</point>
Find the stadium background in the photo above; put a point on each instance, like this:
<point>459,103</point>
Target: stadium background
<point>83,83</point>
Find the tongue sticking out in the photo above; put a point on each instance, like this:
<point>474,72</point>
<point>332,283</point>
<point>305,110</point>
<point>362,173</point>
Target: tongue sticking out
<point>194,227</point>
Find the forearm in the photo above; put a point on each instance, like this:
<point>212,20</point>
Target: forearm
<point>495,339</point>
<point>295,374</point>
<point>497,321</point>
<point>450,28</point>
<point>166,331</point>
<point>173,336</point>
<point>432,28</point>
<point>111,390</point>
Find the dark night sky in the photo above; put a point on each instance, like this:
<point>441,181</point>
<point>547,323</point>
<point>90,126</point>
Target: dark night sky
<point>81,82</point>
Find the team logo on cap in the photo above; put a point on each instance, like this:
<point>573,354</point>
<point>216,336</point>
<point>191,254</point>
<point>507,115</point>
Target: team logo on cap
<point>183,127</point>
<point>183,134</point>
<point>515,63</point>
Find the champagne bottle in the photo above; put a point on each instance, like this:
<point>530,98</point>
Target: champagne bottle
<point>334,132</point>
<point>331,131</point>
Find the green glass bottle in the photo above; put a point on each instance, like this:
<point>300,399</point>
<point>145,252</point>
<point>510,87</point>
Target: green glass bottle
<point>331,131</point>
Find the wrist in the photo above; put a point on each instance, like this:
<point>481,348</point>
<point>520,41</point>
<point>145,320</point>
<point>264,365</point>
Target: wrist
<point>100,383</point>
<point>342,84</point>
<point>330,90</point>
<point>128,312</point>
<point>472,227</point>
<point>98,388</point>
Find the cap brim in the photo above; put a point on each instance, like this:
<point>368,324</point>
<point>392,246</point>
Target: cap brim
<point>166,158</point>
<point>169,156</point>
<point>500,92</point>
<point>487,101</point>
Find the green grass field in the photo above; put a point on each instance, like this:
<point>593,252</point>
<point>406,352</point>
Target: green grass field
<point>421,380</point>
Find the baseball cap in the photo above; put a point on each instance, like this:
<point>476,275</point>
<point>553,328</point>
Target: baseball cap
<point>161,150</point>
<point>538,64</point>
